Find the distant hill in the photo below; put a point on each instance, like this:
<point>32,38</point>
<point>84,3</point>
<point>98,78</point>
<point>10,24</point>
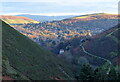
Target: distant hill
<point>25,59</point>
<point>94,16</point>
<point>52,33</point>
<point>46,18</point>
<point>96,21</point>
<point>17,19</point>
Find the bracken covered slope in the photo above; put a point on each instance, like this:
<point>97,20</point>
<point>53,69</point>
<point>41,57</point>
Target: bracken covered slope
<point>106,44</point>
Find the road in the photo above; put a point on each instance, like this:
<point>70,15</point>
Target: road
<point>112,32</point>
<point>99,56</point>
<point>95,55</point>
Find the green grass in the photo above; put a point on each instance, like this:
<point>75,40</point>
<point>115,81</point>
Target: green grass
<point>10,71</point>
<point>29,59</point>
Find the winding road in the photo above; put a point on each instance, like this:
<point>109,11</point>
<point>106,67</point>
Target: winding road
<point>99,56</point>
<point>95,55</point>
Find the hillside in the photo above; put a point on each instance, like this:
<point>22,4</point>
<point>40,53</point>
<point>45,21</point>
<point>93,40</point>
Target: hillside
<point>17,19</point>
<point>50,34</point>
<point>94,50</point>
<point>93,17</point>
<point>24,59</point>
<point>106,44</point>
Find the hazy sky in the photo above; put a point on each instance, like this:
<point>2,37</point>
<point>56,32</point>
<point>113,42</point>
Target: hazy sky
<point>58,7</point>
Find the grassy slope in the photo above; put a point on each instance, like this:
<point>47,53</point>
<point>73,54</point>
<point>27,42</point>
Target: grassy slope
<point>28,59</point>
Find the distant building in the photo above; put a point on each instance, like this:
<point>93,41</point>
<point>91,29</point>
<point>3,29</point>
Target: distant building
<point>61,51</point>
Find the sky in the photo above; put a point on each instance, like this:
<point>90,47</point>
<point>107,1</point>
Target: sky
<point>58,7</point>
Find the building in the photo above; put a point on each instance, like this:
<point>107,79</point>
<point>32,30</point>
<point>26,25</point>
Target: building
<point>61,51</point>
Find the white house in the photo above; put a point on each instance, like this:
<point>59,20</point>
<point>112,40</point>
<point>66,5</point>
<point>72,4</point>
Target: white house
<point>61,51</point>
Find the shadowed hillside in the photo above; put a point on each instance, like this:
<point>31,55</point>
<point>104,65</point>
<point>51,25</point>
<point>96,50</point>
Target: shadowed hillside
<point>24,59</point>
<point>106,44</point>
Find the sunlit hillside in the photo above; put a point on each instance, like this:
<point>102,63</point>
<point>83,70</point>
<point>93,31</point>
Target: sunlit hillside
<point>17,20</point>
<point>50,34</point>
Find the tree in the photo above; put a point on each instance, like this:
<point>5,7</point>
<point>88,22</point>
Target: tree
<point>61,45</point>
<point>100,74</point>
<point>118,77</point>
<point>86,72</point>
<point>112,74</point>
<point>53,42</point>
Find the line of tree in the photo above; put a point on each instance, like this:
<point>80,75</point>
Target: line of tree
<point>98,74</point>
